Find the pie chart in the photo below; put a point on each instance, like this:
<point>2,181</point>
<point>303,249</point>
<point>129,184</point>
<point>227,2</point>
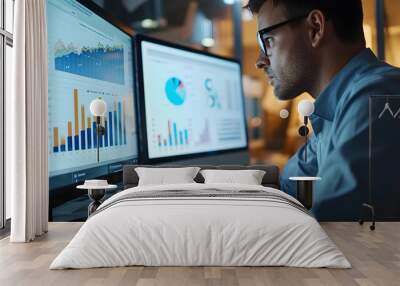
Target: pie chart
<point>175,91</point>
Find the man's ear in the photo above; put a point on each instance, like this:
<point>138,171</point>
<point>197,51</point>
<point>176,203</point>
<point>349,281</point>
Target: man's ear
<point>316,22</point>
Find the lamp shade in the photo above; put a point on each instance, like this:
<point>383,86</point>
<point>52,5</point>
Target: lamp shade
<point>98,107</point>
<point>305,107</point>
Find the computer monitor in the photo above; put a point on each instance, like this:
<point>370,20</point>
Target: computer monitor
<point>89,56</point>
<point>191,102</point>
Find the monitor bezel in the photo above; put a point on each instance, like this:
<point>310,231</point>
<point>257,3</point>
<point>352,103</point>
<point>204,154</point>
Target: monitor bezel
<point>141,103</point>
<point>100,12</point>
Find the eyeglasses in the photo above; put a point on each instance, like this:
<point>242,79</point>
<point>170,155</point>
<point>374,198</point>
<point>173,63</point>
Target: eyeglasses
<point>266,42</point>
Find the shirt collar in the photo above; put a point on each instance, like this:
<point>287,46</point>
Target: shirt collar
<point>326,103</point>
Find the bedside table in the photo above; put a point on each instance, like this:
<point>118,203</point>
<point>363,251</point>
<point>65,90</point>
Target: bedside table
<point>305,189</point>
<point>96,194</point>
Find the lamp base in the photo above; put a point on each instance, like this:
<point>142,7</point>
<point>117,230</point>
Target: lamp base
<point>305,193</point>
<point>96,195</point>
<point>305,189</point>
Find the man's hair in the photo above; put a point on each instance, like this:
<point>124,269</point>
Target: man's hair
<point>346,15</point>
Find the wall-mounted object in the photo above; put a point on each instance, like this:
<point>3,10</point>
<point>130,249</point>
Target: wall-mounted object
<point>98,108</point>
<point>305,108</point>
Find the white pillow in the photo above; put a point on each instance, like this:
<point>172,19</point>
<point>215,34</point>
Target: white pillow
<point>164,176</point>
<point>248,177</point>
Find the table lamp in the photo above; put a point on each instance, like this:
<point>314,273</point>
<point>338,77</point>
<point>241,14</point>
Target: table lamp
<point>98,108</point>
<point>305,108</point>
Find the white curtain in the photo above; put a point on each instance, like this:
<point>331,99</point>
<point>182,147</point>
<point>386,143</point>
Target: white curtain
<point>26,116</point>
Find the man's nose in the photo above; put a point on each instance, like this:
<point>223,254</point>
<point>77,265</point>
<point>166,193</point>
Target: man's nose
<point>262,61</point>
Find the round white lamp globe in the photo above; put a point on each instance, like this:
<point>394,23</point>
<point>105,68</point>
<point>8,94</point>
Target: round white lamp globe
<point>305,107</point>
<point>284,113</point>
<point>98,107</point>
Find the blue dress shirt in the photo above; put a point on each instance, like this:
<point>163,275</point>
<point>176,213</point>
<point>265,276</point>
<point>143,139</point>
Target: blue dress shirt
<point>338,149</point>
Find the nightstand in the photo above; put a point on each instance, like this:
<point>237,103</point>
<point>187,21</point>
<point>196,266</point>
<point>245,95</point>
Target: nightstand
<point>96,194</point>
<point>305,189</point>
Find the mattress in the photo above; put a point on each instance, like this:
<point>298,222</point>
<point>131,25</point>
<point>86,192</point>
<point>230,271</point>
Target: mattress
<point>201,225</point>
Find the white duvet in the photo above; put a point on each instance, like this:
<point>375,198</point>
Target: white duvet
<point>200,231</point>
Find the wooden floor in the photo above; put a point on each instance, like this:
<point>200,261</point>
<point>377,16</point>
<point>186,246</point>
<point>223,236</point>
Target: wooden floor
<point>375,257</point>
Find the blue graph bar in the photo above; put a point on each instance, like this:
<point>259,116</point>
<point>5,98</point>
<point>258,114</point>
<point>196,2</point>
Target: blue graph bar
<point>110,117</point>
<point>69,142</point>
<point>83,140</point>
<point>170,139</point>
<point>62,147</point>
<point>175,134</point>
<point>186,137</point>
<point>94,135</point>
<point>124,130</point>
<point>106,133</point>
<point>89,137</point>
<point>76,139</point>
<point>55,149</point>
<point>115,127</point>
<point>120,122</point>
<point>181,137</point>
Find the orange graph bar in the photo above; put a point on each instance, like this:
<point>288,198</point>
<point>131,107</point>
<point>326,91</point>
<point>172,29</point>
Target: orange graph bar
<point>55,136</point>
<point>63,146</point>
<point>69,128</point>
<point>76,112</point>
<point>83,117</point>
<point>89,122</point>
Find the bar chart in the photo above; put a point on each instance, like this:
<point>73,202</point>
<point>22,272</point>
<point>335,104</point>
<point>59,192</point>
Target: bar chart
<point>175,136</point>
<point>87,60</point>
<point>82,130</point>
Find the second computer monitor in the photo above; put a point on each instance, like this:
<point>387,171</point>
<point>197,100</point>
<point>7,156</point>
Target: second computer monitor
<point>191,103</point>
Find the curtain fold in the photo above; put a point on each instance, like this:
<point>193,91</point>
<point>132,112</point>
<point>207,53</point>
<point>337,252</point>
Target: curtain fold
<point>27,131</point>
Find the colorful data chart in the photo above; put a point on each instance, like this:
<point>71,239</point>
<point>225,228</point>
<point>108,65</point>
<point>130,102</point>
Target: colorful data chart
<point>84,135</point>
<point>175,91</point>
<point>102,62</point>
<point>176,137</point>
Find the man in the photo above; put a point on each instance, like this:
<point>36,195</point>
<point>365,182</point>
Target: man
<point>318,46</point>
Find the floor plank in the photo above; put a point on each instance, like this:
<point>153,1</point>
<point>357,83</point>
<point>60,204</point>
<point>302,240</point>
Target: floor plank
<point>375,257</point>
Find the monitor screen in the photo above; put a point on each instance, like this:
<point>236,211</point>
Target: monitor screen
<point>193,101</point>
<point>88,58</point>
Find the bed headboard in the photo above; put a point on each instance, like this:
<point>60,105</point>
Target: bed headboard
<point>270,179</point>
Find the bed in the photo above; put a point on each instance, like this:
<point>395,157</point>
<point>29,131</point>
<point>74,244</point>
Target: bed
<point>197,224</point>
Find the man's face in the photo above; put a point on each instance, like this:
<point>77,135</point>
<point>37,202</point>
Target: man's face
<point>289,61</point>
